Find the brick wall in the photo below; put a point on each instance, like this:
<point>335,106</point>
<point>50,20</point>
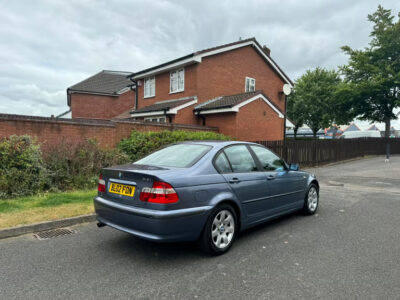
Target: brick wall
<point>254,121</point>
<point>225,73</point>
<point>226,122</point>
<point>50,131</point>
<point>93,106</point>
<point>257,119</point>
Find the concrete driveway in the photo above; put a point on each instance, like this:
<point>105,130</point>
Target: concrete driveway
<point>350,249</point>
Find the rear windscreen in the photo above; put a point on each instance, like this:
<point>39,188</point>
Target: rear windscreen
<point>179,156</point>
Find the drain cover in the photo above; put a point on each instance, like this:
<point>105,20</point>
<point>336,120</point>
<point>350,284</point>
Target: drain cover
<point>45,235</point>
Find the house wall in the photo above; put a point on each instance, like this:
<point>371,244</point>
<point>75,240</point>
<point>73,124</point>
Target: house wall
<point>186,116</point>
<point>51,131</point>
<point>101,107</point>
<point>226,123</point>
<point>225,73</point>
<point>163,86</point>
<point>257,121</point>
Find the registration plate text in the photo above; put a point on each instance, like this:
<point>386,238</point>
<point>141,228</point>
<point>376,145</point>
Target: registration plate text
<point>122,189</point>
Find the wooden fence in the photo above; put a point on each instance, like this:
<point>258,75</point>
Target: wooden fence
<point>316,152</point>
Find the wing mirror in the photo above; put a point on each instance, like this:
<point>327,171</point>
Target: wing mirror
<point>293,167</point>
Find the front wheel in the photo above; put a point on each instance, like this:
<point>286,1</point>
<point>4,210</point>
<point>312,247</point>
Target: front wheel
<point>220,230</point>
<point>311,200</point>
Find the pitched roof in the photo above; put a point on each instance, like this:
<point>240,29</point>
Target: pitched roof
<point>196,57</point>
<point>234,102</point>
<point>373,127</point>
<point>165,105</point>
<point>105,82</point>
<point>226,101</point>
<point>352,127</point>
<point>124,115</point>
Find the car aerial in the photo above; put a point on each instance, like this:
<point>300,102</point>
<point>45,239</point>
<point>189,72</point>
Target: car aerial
<point>205,191</point>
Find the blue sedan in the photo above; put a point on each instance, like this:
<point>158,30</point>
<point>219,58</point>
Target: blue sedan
<point>202,190</point>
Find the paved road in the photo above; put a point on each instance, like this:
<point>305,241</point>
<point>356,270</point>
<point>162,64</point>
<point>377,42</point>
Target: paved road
<point>350,249</point>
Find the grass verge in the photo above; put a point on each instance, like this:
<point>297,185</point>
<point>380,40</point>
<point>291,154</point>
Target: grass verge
<point>47,207</point>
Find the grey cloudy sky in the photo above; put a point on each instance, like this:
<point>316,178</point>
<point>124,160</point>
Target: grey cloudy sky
<point>47,45</point>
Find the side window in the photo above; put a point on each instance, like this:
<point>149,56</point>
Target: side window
<point>149,87</point>
<point>250,85</point>
<point>240,159</point>
<point>177,81</point>
<point>269,161</point>
<point>222,164</point>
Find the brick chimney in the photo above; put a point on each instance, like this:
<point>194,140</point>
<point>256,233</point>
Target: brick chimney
<point>266,50</point>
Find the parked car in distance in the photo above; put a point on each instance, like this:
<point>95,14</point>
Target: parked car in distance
<point>207,191</point>
<point>360,134</point>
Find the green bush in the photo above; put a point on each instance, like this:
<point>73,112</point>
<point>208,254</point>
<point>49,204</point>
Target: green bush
<point>21,167</point>
<point>140,144</point>
<point>25,170</point>
<point>77,165</point>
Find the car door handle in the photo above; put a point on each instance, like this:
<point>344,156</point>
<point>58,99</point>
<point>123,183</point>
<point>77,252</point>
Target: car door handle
<point>234,180</point>
<point>270,177</point>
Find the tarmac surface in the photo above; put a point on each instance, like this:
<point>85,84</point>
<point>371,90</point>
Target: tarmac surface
<point>349,249</point>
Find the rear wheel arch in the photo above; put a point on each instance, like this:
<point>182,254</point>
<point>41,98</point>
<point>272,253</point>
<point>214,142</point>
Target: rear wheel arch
<point>236,207</point>
<point>214,229</point>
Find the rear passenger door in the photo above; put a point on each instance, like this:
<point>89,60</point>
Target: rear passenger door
<point>238,166</point>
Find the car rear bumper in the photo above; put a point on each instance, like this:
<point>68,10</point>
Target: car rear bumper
<point>156,225</point>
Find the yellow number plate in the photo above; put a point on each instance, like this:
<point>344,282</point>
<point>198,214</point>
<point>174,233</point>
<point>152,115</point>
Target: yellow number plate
<point>122,189</point>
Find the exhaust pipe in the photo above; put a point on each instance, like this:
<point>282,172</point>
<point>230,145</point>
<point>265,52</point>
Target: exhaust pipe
<point>100,224</point>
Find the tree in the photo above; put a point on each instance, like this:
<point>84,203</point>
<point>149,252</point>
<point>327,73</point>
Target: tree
<point>313,100</point>
<point>295,113</point>
<point>373,74</point>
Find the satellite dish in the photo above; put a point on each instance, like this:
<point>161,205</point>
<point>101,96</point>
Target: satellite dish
<point>287,89</point>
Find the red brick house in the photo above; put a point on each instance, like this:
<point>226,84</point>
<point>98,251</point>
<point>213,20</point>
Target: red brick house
<point>102,96</point>
<point>236,87</point>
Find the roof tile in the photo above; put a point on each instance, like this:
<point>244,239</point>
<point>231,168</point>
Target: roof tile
<point>226,101</point>
<point>105,82</point>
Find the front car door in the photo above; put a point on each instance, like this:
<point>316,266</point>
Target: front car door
<point>287,187</point>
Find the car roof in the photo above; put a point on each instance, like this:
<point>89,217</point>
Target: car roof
<point>216,143</point>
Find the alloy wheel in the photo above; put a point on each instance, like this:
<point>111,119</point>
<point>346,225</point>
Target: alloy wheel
<point>312,200</point>
<point>223,229</point>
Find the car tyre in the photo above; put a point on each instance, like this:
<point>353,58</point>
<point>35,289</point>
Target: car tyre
<point>219,231</point>
<point>311,200</point>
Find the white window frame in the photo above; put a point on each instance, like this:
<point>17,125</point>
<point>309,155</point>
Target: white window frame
<point>162,119</point>
<point>152,82</point>
<point>177,72</point>
<point>249,79</point>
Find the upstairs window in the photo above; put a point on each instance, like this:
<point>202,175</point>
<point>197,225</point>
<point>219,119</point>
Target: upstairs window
<point>250,85</point>
<point>177,81</point>
<point>149,87</point>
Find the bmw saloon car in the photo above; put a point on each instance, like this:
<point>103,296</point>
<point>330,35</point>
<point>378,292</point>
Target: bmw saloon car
<point>205,191</point>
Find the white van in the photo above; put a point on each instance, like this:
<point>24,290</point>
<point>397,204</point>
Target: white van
<point>360,134</point>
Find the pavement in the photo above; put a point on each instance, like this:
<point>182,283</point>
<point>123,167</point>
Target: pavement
<point>350,249</point>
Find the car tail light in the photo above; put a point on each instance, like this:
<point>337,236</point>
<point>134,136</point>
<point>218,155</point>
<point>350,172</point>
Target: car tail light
<point>161,192</point>
<point>102,184</point>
